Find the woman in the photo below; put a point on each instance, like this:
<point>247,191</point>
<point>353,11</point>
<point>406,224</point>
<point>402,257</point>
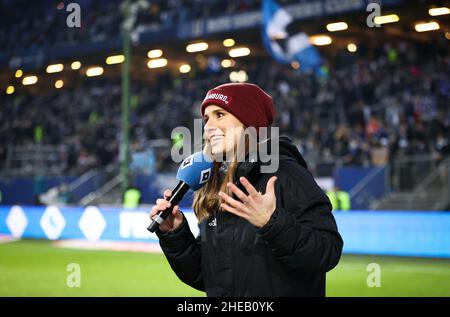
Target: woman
<point>260,234</point>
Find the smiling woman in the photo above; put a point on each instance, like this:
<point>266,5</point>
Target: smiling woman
<point>261,233</point>
<point>222,130</point>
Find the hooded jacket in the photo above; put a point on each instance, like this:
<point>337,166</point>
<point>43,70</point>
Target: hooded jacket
<point>289,256</point>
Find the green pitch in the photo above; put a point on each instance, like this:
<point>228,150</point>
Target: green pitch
<point>36,268</point>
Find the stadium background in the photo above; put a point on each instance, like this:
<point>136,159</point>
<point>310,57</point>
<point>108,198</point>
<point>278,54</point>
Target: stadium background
<point>87,112</point>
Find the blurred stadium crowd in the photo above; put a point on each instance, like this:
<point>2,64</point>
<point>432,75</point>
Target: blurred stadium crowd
<point>398,100</point>
<point>34,24</point>
<point>366,108</point>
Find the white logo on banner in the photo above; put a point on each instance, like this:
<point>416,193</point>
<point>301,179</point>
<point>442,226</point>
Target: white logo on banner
<point>52,222</point>
<point>133,224</point>
<point>92,223</point>
<point>16,221</point>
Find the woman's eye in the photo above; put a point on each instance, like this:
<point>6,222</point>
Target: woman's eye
<point>220,114</point>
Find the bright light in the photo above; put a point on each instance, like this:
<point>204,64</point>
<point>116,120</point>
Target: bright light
<point>238,77</point>
<point>338,26</point>
<point>295,65</point>
<point>197,47</point>
<point>115,59</point>
<point>75,65</point>
<point>447,35</point>
<point>226,63</point>
<point>10,90</point>
<point>352,48</point>
<point>438,11</point>
<point>29,80</point>
<point>154,53</point>
<point>185,68</point>
<point>155,63</point>
<point>425,27</point>
<point>55,68</point>
<point>59,83</point>
<point>239,51</point>
<point>18,73</point>
<point>228,42</point>
<point>320,40</point>
<point>94,71</point>
<point>383,19</point>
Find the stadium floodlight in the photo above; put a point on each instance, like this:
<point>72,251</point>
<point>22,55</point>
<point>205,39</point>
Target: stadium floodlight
<point>197,47</point>
<point>228,42</point>
<point>352,47</point>
<point>94,71</point>
<point>239,52</point>
<point>226,63</point>
<point>156,63</point>
<point>10,90</point>
<point>320,40</point>
<point>18,73</point>
<point>439,11</point>
<point>115,59</point>
<point>185,68</point>
<point>338,26</point>
<point>295,65</point>
<point>428,26</point>
<point>75,65</point>
<point>154,53</point>
<point>383,19</point>
<point>29,80</point>
<point>54,68</point>
<point>238,76</point>
<point>59,84</point>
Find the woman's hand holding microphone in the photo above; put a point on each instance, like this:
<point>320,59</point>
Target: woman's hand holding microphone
<point>174,220</point>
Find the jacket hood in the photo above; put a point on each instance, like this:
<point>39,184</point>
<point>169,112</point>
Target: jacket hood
<point>288,148</point>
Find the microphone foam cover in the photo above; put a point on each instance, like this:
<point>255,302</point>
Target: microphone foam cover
<point>195,170</point>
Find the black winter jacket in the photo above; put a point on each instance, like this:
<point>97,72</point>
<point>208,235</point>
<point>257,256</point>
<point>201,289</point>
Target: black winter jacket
<point>289,256</point>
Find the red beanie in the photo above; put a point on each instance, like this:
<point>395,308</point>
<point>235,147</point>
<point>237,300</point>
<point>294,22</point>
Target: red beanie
<point>247,102</point>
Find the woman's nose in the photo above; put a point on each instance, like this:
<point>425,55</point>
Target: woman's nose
<point>209,129</point>
<point>209,126</point>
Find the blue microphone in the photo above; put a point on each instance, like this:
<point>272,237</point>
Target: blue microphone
<point>194,172</point>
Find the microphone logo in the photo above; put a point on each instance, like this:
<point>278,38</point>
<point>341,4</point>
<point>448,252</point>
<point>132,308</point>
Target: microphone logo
<point>205,175</point>
<point>187,162</point>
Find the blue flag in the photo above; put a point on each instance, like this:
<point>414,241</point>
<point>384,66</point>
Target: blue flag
<point>285,47</point>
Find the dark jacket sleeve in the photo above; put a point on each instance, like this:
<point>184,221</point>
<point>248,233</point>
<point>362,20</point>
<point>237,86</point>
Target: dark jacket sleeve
<point>302,232</point>
<point>183,252</point>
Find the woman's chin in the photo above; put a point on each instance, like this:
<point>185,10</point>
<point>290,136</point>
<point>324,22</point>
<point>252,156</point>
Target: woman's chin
<point>219,154</point>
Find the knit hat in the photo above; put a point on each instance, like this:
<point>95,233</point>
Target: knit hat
<point>247,102</point>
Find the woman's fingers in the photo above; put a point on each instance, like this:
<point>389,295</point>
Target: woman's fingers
<point>153,212</point>
<point>162,202</point>
<point>270,187</point>
<point>235,211</point>
<point>248,200</point>
<point>160,205</point>
<point>167,194</point>
<point>233,202</point>
<point>174,219</point>
<point>175,210</point>
<point>249,187</point>
<point>239,193</point>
